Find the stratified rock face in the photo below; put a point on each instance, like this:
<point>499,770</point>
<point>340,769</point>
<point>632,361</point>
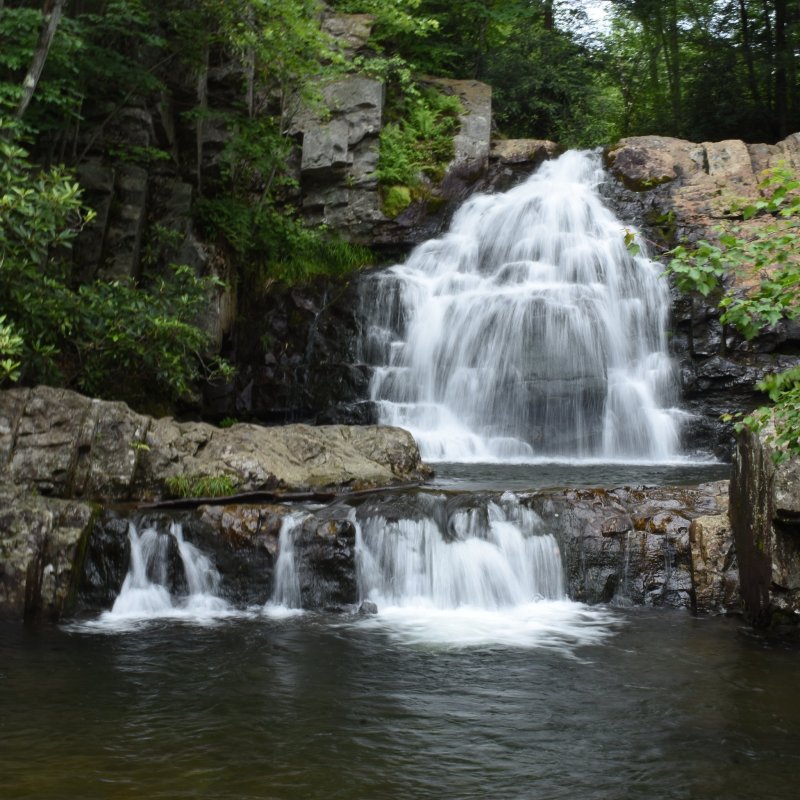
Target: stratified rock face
<point>680,191</point>
<point>765,516</point>
<point>42,541</point>
<point>715,574</point>
<point>63,444</point>
<point>632,546</point>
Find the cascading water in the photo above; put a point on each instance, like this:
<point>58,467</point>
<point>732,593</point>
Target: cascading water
<point>286,599</point>
<point>494,576</point>
<point>528,331</point>
<point>495,558</point>
<point>145,593</point>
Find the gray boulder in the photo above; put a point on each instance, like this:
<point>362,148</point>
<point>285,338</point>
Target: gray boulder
<point>62,444</point>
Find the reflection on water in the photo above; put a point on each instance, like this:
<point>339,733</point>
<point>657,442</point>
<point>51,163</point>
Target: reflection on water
<point>312,707</point>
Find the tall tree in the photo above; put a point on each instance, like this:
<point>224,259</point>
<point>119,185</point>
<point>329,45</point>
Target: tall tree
<point>51,12</point>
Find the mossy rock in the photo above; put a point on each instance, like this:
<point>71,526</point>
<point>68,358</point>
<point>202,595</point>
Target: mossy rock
<point>395,200</point>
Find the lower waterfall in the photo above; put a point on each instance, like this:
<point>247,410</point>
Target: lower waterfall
<point>145,592</point>
<point>286,599</point>
<point>481,576</point>
<point>528,331</point>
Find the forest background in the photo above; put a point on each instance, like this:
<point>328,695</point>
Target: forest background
<point>582,74</point>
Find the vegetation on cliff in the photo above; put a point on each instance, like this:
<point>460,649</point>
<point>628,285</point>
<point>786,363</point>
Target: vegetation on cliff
<point>582,73</point>
<point>760,251</point>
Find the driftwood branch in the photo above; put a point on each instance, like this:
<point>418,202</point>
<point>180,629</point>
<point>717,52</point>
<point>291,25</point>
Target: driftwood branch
<point>262,497</point>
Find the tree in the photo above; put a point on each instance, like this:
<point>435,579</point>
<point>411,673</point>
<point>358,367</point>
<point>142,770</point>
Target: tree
<point>121,340</point>
<point>52,16</point>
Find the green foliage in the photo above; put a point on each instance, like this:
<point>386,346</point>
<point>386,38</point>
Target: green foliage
<point>93,53</point>
<point>11,345</point>
<point>419,143</point>
<point>392,17</point>
<point>767,254</point>
<point>274,245</point>
<point>120,340</point>
<point>395,200</point>
<point>196,486</point>
<point>271,243</point>
<point>143,343</point>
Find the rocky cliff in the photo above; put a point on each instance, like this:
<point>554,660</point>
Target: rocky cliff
<point>686,191</point>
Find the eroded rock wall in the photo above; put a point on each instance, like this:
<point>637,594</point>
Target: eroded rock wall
<point>765,516</point>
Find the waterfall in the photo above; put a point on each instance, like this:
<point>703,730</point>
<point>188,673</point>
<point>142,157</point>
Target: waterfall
<point>486,575</point>
<point>286,597</point>
<point>145,592</point>
<point>493,558</point>
<point>527,332</point>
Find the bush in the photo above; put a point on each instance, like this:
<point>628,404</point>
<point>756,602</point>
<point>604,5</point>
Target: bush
<point>119,340</point>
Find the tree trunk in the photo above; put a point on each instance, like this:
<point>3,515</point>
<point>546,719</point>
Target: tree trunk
<point>202,102</point>
<point>549,17</point>
<point>52,16</point>
<point>782,57</point>
<point>747,49</point>
<point>672,60</point>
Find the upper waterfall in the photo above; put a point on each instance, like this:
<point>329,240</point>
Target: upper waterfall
<point>527,331</point>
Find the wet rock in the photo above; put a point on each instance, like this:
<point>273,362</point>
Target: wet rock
<point>765,517</point>
<point>42,545</point>
<point>715,574</point>
<point>106,563</point>
<point>627,545</point>
<point>325,553</point>
<point>367,608</point>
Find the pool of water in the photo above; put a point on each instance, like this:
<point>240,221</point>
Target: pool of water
<point>656,705</point>
<point>548,474</point>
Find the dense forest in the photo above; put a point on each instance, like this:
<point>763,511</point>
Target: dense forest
<point>583,74</point>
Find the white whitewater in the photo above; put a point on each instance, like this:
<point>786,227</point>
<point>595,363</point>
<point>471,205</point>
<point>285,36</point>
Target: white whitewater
<point>286,598</point>
<point>144,594</point>
<point>496,578</point>
<point>527,332</point>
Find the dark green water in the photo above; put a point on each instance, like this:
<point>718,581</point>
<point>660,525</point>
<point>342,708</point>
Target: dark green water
<point>312,707</point>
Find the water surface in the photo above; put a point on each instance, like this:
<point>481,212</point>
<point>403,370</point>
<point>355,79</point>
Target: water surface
<point>663,706</point>
<point>502,476</point>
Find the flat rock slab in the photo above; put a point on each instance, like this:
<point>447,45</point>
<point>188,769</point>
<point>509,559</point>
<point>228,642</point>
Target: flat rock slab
<point>62,444</point>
